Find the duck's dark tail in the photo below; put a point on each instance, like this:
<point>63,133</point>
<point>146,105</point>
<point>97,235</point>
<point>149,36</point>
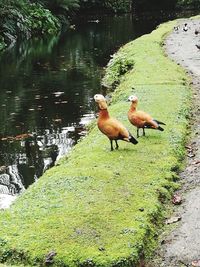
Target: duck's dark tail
<point>160,128</point>
<point>159,122</point>
<point>132,139</point>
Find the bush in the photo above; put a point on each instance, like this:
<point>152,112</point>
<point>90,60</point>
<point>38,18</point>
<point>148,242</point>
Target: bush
<point>107,5</point>
<point>118,5</point>
<point>60,7</point>
<point>22,19</point>
<point>41,20</point>
<point>116,68</point>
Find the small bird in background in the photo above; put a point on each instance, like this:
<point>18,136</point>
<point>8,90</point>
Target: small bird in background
<point>141,119</point>
<point>197,31</point>
<point>111,127</point>
<point>176,28</point>
<point>72,27</point>
<point>185,27</point>
<point>198,46</point>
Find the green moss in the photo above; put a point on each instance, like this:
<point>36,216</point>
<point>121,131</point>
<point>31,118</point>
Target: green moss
<point>102,208</point>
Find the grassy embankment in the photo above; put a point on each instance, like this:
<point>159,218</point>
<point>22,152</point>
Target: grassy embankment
<point>102,208</point>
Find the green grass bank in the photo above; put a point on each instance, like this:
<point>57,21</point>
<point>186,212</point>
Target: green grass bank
<point>102,208</point>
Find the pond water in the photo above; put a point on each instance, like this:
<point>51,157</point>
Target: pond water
<point>46,93</point>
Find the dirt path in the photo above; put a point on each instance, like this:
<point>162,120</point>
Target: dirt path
<point>182,246</point>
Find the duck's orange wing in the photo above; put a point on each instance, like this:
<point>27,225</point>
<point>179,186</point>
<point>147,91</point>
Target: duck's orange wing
<point>113,128</point>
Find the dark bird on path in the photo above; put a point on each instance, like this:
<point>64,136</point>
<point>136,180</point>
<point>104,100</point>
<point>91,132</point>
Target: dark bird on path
<point>111,127</point>
<point>198,46</point>
<point>197,31</point>
<point>185,27</point>
<point>141,119</point>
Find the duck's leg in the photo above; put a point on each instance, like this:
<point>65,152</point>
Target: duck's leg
<point>111,145</point>
<point>138,133</point>
<point>116,144</point>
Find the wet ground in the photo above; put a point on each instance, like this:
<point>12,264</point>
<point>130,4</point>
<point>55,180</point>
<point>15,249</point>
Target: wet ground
<point>182,246</point>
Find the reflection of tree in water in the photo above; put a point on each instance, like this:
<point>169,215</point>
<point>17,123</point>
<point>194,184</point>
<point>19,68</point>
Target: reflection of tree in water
<point>24,161</point>
<point>10,180</point>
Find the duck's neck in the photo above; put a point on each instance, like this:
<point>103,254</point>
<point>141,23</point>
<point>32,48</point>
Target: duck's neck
<point>133,107</point>
<point>103,114</point>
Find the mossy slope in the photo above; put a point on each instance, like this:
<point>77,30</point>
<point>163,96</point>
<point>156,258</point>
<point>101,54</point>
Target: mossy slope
<point>102,208</point>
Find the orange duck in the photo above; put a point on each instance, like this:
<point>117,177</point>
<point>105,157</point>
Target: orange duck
<point>111,127</point>
<point>141,119</point>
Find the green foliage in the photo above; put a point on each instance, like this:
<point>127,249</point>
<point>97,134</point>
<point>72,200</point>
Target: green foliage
<point>118,5</point>
<point>107,5</point>
<point>22,19</point>
<point>12,24</point>
<point>146,5</point>
<point>102,208</point>
<point>116,68</point>
<point>2,43</point>
<point>188,3</point>
<point>61,6</point>
<point>41,20</point>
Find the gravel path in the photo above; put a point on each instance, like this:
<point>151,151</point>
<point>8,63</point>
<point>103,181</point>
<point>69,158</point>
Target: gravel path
<point>182,246</point>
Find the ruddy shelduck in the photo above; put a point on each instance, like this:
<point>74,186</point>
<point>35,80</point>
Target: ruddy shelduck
<point>141,119</point>
<point>109,126</point>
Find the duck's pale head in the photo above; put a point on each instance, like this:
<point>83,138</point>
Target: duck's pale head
<point>101,101</point>
<point>133,98</point>
<point>99,97</point>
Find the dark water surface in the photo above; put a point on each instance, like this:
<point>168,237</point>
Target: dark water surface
<point>46,93</point>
